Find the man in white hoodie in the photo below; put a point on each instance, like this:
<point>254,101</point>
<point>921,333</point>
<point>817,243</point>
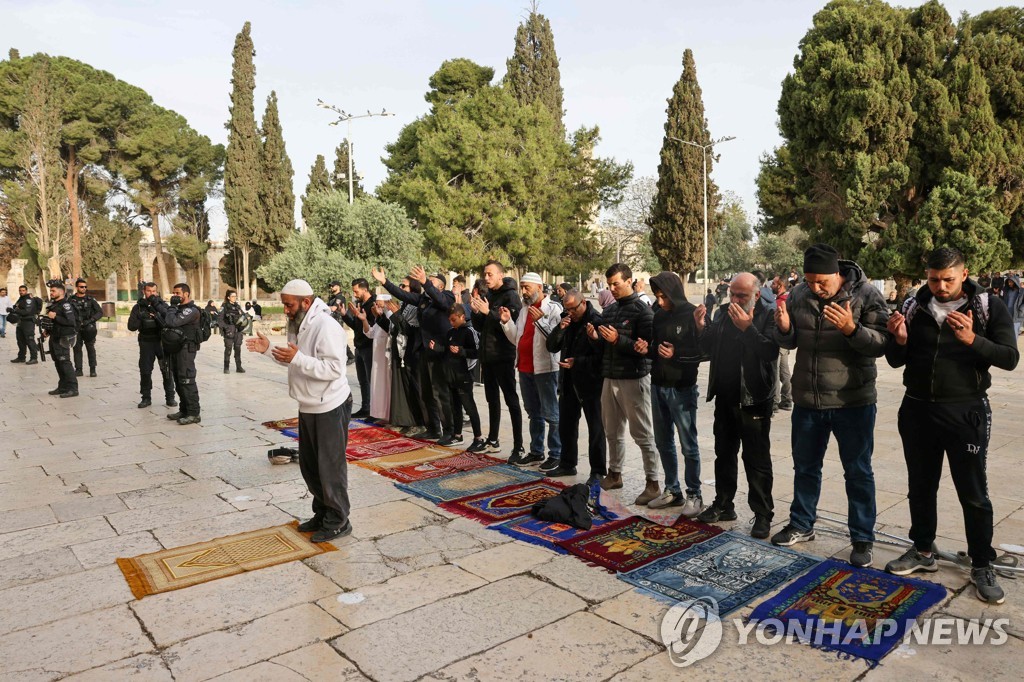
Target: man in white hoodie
<point>315,357</point>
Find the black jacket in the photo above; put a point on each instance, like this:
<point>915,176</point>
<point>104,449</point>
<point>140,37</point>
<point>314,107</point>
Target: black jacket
<point>494,345</point>
<point>832,370</point>
<point>633,319</point>
<point>359,337</point>
<point>184,318</point>
<point>675,326</point>
<point>572,342</point>
<point>433,305</point>
<point>87,309</point>
<point>940,369</point>
<point>145,320</point>
<point>228,318</point>
<point>25,309</point>
<point>66,322</point>
<point>758,355</point>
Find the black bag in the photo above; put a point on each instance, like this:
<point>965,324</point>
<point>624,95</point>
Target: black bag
<point>569,507</point>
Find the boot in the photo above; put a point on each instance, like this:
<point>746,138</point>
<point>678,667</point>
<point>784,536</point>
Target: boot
<point>240,370</point>
<point>227,369</point>
<point>92,372</point>
<point>651,492</point>
<point>613,481</point>
<point>79,373</point>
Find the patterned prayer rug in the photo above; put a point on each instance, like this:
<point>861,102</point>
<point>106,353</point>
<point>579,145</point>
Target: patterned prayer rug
<point>873,609</point>
<point>731,568</point>
<point>400,459</point>
<point>464,461</point>
<point>291,433</point>
<point>634,542</point>
<point>383,447</point>
<point>281,424</point>
<point>544,533</point>
<point>465,483</point>
<point>503,503</point>
<point>173,569</point>
<point>371,434</point>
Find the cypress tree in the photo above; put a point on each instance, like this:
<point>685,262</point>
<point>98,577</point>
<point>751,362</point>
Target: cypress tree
<point>677,212</point>
<point>276,192</point>
<point>242,172</point>
<point>533,74</point>
<point>319,181</point>
<point>340,176</point>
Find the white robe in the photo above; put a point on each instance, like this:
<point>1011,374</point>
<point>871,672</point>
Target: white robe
<point>380,374</point>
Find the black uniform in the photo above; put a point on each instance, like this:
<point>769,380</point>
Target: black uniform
<point>144,320</point>
<point>26,309</point>
<point>62,339</point>
<point>89,313</point>
<point>364,350</point>
<point>185,319</point>
<point>229,319</point>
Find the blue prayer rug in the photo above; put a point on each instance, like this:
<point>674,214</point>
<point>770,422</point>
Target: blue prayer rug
<point>544,533</point>
<point>465,483</point>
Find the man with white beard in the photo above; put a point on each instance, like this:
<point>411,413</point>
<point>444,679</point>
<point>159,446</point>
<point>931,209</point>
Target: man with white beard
<point>315,358</point>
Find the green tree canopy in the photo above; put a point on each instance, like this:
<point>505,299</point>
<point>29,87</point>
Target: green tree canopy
<point>339,178</point>
<point>533,74</point>
<point>319,181</point>
<point>733,251</point>
<point>276,193</point>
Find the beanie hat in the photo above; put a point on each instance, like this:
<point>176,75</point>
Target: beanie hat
<point>531,278</point>
<point>821,259</point>
<point>297,287</point>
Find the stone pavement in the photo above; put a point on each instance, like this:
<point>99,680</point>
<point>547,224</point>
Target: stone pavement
<point>414,593</point>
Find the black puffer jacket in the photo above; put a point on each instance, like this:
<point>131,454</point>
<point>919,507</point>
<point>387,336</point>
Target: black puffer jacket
<point>675,326</point>
<point>633,319</point>
<point>939,368</point>
<point>494,345</point>
<point>758,354</point>
<point>832,370</point>
<point>572,342</point>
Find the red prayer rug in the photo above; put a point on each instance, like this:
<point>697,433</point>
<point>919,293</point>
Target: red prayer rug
<point>504,503</point>
<point>634,542</point>
<point>464,461</point>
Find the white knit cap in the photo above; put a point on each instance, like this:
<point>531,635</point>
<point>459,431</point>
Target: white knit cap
<point>531,278</point>
<point>297,287</point>
<point>383,297</point>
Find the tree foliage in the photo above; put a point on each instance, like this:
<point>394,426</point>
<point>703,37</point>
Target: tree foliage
<point>533,74</point>
<point>733,250</point>
<point>276,194</point>
<point>339,178</point>
<point>624,229</point>
<point>319,181</point>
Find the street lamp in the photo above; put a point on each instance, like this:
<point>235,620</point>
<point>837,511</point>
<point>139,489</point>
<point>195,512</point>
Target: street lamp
<point>704,148</point>
<point>345,117</point>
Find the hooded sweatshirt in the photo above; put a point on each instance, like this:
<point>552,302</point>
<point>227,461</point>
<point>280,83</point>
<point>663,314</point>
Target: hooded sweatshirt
<point>495,346</point>
<point>675,326</point>
<point>316,375</point>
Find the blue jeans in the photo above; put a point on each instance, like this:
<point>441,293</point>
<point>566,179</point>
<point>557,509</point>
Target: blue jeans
<point>854,429</point>
<point>540,398</point>
<point>3,324</point>
<point>675,411</point>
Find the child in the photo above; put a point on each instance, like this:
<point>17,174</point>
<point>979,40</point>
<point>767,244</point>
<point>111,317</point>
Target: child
<point>460,353</point>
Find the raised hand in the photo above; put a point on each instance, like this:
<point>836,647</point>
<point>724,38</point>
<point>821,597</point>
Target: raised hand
<point>741,319</point>
<point>963,326</point>
<point>535,313</point>
<point>897,326</point>
<point>419,274</point>
<point>504,314</point>
<point>666,350</point>
<point>378,274</point>
<point>285,353</point>
<point>591,331</point>
<point>608,333</point>
<point>479,304</point>
<point>567,363</point>
<point>257,344</point>
<point>700,315</point>
<point>640,347</point>
<point>566,321</point>
<point>782,317</point>
<point>841,317</point>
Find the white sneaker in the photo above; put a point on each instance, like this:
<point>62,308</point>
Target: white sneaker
<point>666,500</point>
<point>693,505</point>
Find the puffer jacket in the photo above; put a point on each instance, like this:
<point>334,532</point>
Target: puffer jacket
<point>544,361</point>
<point>633,319</point>
<point>494,345</point>
<point>675,326</point>
<point>832,370</point>
<point>1015,302</point>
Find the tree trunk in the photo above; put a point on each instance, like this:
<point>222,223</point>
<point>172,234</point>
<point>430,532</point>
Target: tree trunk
<point>902,286</point>
<point>71,187</point>
<point>161,269</point>
<point>687,286</point>
<point>245,268</point>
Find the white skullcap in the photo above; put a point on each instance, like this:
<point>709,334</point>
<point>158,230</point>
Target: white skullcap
<point>383,297</point>
<point>531,278</point>
<point>297,287</point>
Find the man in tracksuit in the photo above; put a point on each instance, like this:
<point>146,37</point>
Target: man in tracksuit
<point>947,337</point>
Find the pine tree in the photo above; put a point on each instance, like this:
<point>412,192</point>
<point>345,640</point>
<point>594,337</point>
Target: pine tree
<point>533,74</point>
<point>242,175</point>
<point>339,178</point>
<point>319,181</point>
<point>677,212</point>
<point>276,194</point>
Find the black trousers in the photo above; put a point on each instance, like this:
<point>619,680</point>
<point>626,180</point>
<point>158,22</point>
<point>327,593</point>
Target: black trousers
<point>961,431</point>
<point>183,365</point>
<point>60,353</point>
<point>323,439</point>
<point>458,384</point>
<point>750,429</point>
<point>444,414</point>
<point>500,381</point>
<point>570,405</point>
<point>233,341</point>
<point>150,351</point>
<point>87,338</point>
<point>364,363</point>
<point>25,335</point>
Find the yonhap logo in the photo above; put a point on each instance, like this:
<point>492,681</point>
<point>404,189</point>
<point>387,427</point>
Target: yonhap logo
<point>691,631</point>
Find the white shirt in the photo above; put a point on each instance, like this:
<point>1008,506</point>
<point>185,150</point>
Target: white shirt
<point>5,303</point>
<point>941,310</point>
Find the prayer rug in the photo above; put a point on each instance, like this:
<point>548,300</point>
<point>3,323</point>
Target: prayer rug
<point>281,424</point>
<point>464,461</point>
<point>634,542</point>
<point>544,533</point>
<point>291,433</point>
<point>857,611</point>
<point>173,569</point>
<point>731,568</point>
<point>466,483</point>
<point>383,447</point>
<point>503,503</point>
<point>400,459</point>
<point>371,434</point>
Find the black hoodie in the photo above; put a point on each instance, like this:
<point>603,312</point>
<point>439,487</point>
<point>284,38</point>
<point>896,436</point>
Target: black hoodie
<point>675,326</point>
<point>494,345</point>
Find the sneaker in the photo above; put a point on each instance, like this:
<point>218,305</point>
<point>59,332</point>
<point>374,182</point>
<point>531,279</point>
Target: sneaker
<point>456,438</point>
<point>562,471</point>
<point>479,445</point>
<point>328,534</point>
<point>790,535</point>
<point>190,419</point>
<point>987,589</point>
<point>171,402</point>
<point>693,505</point>
<point>92,373</point>
<point>18,360</point>
<point>145,402</point>
<point>69,394</point>
<point>446,440</point>
<point>56,391</point>
<point>911,561</point>
<point>786,407</point>
<point>493,447</point>
<point>550,464</point>
<point>429,435</point>
<point>666,500</point>
<point>861,554</point>
<point>312,525</point>
<point>716,512</point>
<point>175,416</point>
<point>79,373</point>
<point>531,459</point>
<point>516,458</point>
<point>227,371</point>
<point>33,361</point>
<point>239,370</point>
<point>762,527</point>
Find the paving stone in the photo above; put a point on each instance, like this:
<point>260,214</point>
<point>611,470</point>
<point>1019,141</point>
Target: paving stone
<point>261,672</point>
<point>320,663</point>
<point>636,611</point>
<point>273,493</point>
<point>201,488</point>
<point>353,565</point>
<point>34,540</point>
<point>389,518</point>
<point>85,507</point>
<point>580,647</point>
<point>182,614</point>
<point>502,561</point>
<point>107,551</point>
<point>168,514</point>
<point>473,528</point>
<point>31,517</point>
<point>142,668</point>
<point>912,661</point>
<point>26,606</point>
<point>28,473</point>
<point>32,568</point>
<point>471,624</point>
<point>967,605</point>
<point>153,497</point>
<point>585,581</point>
<point>428,546</point>
<point>220,652</point>
<point>201,530</point>
<point>402,593</point>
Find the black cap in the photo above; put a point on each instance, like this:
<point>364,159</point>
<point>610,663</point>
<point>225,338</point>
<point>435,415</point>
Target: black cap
<point>80,281</point>
<point>55,283</point>
<point>821,259</point>
<point>444,280</point>
<point>335,283</point>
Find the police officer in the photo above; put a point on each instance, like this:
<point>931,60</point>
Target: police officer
<point>180,323</point>
<point>144,320</point>
<point>337,305</point>
<point>63,334</point>
<point>232,322</point>
<point>89,313</point>
<point>24,312</point>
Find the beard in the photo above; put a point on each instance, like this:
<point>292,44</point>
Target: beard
<point>749,305</point>
<point>295,322</point>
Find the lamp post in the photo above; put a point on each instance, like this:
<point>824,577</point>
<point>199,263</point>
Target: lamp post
<point>347,118</point>
<point>704,148</point>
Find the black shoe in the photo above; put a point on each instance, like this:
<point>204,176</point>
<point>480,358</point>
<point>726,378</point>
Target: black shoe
<point>550,464</point>
<point>478,445</point>
<point>790,535</point>
<point>79,373</point>
<point>146,402</point>
<point>92,372</point>
<point>429,435</point>
<point>18,360</point>
<point>532,459</point>
<point>360,413</point>
<point>56,391</point>
<point>239,370</point>
<point>861,554</point>
<point>716,512</point>
<point>227,370</point>
<point>33,361</point>
<point>492,447</point>
<point>762,527</point>
<point>562,471</point>
<point>312,525</point>
<point>69,394</point>
<point>457,438</point>
<point>516,458</point>
<point>190,419</point>
<point>175,416</point>
<point>593,478</point>
<point>328,534</point>
<point>445,441</point>
<point>171,402</point>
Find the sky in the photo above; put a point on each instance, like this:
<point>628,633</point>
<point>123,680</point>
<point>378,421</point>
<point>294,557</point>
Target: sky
<point>619,62</point>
